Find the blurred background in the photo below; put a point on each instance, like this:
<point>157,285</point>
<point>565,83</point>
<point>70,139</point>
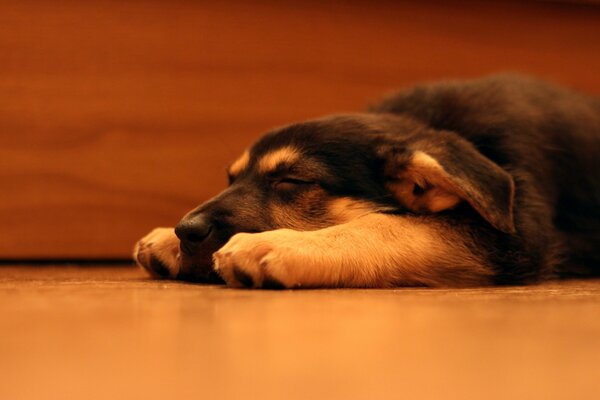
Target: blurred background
<point>116,117</point>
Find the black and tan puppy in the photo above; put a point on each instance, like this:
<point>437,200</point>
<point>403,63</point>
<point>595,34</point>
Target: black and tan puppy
<point>490,181</point>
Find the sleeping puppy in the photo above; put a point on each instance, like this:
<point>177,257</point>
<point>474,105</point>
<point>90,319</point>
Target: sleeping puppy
<point>462,183</point>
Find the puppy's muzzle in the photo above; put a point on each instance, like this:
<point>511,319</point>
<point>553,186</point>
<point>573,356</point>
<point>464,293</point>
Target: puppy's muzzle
<point>199,237</point>
<point>194,233</point>
<point>207,228</point>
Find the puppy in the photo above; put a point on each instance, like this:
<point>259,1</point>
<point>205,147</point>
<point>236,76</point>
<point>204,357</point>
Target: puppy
<point>460,183</point>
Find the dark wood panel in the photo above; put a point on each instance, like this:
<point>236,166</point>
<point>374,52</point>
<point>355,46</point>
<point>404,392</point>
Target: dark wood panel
<point>119,116</point>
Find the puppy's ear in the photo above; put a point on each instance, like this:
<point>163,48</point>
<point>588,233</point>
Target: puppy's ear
<point>435,175</point>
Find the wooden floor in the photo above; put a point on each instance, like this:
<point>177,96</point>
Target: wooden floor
<point>111,333</point>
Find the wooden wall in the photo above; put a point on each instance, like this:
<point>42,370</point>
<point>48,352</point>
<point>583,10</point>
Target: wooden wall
<point>116,117</point>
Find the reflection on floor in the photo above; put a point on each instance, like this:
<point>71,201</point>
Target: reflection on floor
<point>111,333</point>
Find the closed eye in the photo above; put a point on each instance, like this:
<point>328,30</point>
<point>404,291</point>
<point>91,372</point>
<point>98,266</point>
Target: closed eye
<point>296,181</point>
<point>293,183</point>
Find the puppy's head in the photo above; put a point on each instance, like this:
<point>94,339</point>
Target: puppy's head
<point>329,171</point>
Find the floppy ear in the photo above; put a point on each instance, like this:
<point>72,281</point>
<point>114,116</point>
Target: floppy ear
<point>436,175</point>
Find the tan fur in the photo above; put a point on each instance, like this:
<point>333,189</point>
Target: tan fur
<point>289,217</point>
<point>424,185</point>
<point>270,161</point>
<point>375,250</point>
<point>297,215</point>
<point>240,164</point>
<point>162,244</point>
<point>344,209</point>
<point>339,210</point>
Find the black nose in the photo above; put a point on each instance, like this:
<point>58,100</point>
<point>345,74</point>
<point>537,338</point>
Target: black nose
<point>192,231</point>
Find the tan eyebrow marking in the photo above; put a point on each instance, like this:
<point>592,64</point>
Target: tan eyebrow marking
<point>240,164</point>
<point>271,161</point>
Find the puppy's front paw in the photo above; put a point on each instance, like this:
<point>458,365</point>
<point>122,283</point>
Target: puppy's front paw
<point>259,260</point>
<point>158,253</point>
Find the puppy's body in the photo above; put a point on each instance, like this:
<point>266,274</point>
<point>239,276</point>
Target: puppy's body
<point>491,181</point>
<point>548,139</point>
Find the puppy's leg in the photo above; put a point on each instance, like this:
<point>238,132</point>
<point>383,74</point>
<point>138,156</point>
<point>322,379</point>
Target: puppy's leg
<point>158,253</point>
<point>376,250</point>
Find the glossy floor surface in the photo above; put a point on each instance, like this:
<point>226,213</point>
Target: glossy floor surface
<point>111,333</point>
